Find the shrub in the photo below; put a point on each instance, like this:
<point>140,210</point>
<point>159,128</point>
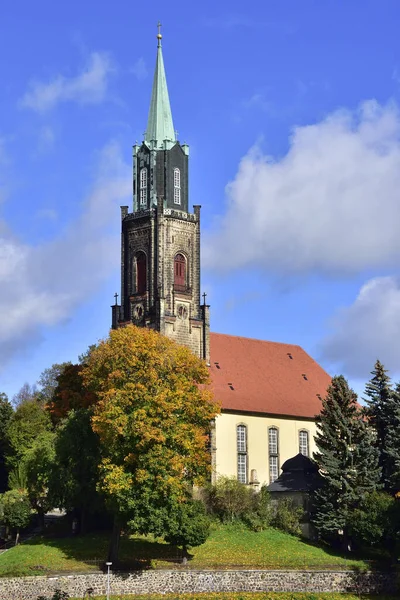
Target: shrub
<point>229,499</point>
<point>58,595</point>
<point>370,521</point>
<point>287,516</point>
<point>189,526</point>
<point>15,510</point>
<point>259,515</point>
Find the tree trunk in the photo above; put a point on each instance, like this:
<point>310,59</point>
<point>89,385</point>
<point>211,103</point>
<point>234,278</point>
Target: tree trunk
<point>41,518</point>
<point>83,521</point>
<point>184,555</point>
<point>114,542</point>
<point>17,538</point>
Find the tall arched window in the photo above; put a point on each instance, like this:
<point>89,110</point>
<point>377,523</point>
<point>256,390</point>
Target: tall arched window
<point>141,273</point>
<point>180,272</point>
<point>241,446</point>
<point>143,187</point>
<point>303,442</point>
<point>177,186</point>
<point>273,450</point>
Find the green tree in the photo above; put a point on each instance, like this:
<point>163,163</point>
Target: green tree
<point>346,457</point>
<point>39,466</point>
<point>383,412</point>
<point>152,417</point>
<point>77,456</point>
<point>15,511</point>
<point>28,423</point>
<point>6,413</point>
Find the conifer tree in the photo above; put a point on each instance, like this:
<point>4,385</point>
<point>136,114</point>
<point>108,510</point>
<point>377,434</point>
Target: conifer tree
<point>346,457</point>
<point>383,412</point>
<point>392,450</point>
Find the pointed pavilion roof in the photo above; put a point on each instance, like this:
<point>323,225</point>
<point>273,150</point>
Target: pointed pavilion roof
<point>160,126</point>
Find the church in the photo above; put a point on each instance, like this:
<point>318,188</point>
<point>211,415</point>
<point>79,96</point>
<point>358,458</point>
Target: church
<point>269,392</point>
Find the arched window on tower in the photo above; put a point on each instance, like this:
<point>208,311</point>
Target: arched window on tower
<point>141,273</point>
<point>177,186</point>
<point>180,272</point>
<point>143,187</point>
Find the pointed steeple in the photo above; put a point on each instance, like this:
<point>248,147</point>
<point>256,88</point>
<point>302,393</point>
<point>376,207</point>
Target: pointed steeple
<point>160,126</point>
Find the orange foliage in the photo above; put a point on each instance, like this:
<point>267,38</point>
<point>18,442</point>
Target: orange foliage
<point>70,393</point>
<point>152,415</point>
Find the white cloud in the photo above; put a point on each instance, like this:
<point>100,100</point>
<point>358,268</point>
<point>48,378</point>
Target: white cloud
<point>139,69</point>
<point>88,87</point>
<point>330,205</point>
<point>367,330</point>
<point>42,285</point>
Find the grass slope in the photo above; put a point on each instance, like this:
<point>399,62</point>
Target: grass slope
<point>227,547</point>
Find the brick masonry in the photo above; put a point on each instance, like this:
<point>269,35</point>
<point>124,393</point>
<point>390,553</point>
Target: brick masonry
<point>173,581</point>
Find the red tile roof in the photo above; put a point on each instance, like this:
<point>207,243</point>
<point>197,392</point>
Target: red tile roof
<point>264,378</point>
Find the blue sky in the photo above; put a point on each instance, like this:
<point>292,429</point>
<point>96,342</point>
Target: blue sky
<point>291,110</point>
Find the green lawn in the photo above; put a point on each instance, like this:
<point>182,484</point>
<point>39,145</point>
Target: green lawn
<point>227,547</point>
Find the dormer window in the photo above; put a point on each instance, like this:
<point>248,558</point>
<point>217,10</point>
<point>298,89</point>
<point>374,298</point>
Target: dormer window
<point>177,186</point>
<point>143,187</point>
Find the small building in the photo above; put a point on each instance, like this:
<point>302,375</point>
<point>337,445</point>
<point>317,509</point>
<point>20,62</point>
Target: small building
<point>298,481</point>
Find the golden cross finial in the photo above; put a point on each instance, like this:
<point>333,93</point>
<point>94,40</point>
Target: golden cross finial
<point>159,36</point>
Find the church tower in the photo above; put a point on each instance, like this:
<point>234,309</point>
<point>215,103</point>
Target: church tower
<point>160,243</point>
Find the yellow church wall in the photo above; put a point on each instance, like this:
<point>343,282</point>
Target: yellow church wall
<point>257,442</point>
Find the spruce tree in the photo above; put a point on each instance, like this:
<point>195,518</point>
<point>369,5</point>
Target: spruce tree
<point>392,445</point>
<point>347,459</point>
<point>383,412</point>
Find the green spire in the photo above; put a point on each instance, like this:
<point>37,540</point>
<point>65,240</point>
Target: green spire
<point>160,126</point>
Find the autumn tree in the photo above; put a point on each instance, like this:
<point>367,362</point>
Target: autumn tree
<point>48,382</point>
<point>152,417</point>
<point>69,393</point>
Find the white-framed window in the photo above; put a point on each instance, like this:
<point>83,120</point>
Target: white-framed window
<point>241,445</point>
<point>143,187</point>
<point>303,443</point>
<point>273,468</point>
<point>273,451</point>
<point>177,186</point>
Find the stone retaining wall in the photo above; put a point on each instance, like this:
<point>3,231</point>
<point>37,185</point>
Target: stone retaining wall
<point>142,582</point>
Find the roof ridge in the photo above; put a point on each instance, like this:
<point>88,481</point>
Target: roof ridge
<point>243,337</point>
